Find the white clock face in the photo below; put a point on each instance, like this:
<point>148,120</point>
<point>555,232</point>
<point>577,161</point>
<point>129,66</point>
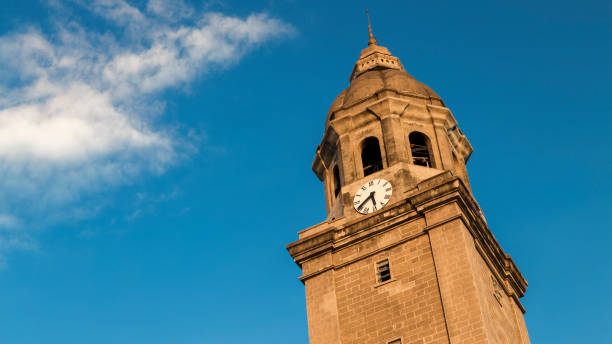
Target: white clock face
<point>372,196</point>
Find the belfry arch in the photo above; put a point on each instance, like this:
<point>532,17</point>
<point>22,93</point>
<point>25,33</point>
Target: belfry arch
<point>371,157</point>
<point>420,149</point>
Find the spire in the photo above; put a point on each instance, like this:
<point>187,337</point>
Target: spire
<point>372,40</point>
<point>374,56</point>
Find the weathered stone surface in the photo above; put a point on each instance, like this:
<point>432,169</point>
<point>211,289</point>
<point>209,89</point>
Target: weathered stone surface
<point>450,281</point>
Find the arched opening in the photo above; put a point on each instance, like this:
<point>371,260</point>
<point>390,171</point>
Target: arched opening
<point>336,181</point>
<point>421,149</point>
<point>370,156</point>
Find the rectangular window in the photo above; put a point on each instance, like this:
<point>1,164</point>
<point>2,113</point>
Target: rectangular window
<point>382,271</point>
<point>396,341</point>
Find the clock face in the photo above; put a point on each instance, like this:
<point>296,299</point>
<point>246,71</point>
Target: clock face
<point>372,196</point>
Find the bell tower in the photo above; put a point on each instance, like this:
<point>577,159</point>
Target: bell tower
<point>405,255</point>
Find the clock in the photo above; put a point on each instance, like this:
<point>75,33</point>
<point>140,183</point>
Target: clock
<point>372,196</point>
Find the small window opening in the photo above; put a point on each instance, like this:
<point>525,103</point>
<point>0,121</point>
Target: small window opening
<point>370,156</point>
<point>396,341</point>
<point>383,271</point>
<point>419,146</point>
<point>336,181</point>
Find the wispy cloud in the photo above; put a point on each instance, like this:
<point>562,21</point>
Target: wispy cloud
<point>12,237</point>
<point>170,10</point>
<point>78,106</point>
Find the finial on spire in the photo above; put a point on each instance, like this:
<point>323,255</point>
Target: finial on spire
<point>372,40</point>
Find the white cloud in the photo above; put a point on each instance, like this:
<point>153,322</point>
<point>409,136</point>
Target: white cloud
<point>71,124</point>
<point>118,11</point>
<point>78,107</point>
<point>172,10</point>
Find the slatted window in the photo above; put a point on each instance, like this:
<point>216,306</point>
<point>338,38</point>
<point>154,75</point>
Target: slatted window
<point>383,271</point>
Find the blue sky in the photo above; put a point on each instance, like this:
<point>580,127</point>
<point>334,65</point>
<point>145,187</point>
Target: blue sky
<point>155,157</point>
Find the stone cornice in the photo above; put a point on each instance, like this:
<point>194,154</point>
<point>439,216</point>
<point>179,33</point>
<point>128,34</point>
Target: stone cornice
<point>430,194</point>
<point>486,244</point>
<point>381,95</point>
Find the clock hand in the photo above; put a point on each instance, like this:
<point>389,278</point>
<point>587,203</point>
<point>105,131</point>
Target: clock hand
<point>373,200</point>
<point>366,201</point>
<point>363,203</point>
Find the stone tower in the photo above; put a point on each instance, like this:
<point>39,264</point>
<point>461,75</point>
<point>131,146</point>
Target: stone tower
<point>405,255</point>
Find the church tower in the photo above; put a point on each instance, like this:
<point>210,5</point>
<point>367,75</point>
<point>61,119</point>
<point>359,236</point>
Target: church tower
<point>405,255</point>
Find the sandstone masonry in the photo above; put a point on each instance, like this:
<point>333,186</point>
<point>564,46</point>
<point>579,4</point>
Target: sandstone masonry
<point>450,281</point>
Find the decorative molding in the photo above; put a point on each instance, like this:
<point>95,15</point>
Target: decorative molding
<point>430,194</point>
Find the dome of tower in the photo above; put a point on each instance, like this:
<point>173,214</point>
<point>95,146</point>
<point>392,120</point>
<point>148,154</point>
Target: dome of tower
<point>375,81</point>
<point>376,71</point>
